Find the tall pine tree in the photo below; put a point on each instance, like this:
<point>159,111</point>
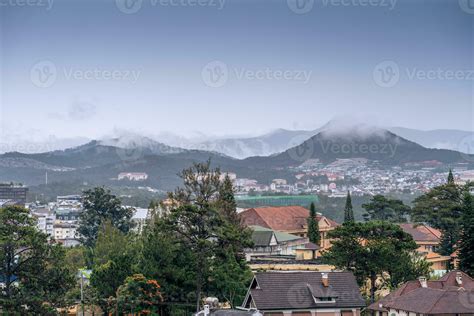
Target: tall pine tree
<point>450,177</point>
<point>313,227</point>
<point>227,202</point>
<point>348,211</point>
<point>466,244</point>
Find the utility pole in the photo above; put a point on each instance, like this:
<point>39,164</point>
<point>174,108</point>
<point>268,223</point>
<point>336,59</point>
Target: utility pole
<point>82,292</point>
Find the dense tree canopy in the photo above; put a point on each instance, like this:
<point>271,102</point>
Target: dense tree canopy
<point>204,228</point>
<point>139,295</point>
<point>114,257</point>
<point>382,208</point>
<point>99,206</point>
<point>466,244</point>
<point>371,249</point>
<point>33,271</point>
<point>441,208</point>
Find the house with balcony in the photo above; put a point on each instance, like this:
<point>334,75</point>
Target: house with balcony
<point>428,240</point>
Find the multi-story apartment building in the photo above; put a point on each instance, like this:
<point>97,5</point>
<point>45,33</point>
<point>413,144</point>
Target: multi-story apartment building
<point>66,234</point>
<point>45,219</point>
<point>14,193</point>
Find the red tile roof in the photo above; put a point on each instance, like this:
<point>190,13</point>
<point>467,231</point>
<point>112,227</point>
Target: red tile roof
<point>446,283</point>
<point>283,218</point>
<point>422,233</point>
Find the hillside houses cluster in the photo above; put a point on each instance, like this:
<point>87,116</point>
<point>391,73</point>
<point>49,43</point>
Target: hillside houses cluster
<point>60,219</point>
<point>360,176</point>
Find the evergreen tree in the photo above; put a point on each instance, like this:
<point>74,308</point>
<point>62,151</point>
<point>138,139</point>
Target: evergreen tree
<point>99,206</point>
<point>386,209</point>
<point>348,211</point>
<point>466,244</point>
<point>386,249</point>
<point>450,177</point>
<point>313,226</point>
<point>227,203</point>
<point>205,222</point>
<point>33,271</point>
<point>231,272</point>
<point>114,258</point>
<point>441,208</point>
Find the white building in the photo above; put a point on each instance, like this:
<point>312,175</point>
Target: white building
<point>66,234</point>
<point>139,218</point>
<point>45,224</point>
<point>69,199</point>
<point>45,219</point>
<point>133,176</point>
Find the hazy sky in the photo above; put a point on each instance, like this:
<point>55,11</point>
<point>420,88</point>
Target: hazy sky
<point>83,68</point>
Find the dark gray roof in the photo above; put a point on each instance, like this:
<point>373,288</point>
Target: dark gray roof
<point>296,290</point>
<point>262,238</point>
<point>447,282</point>
<point>434,301</point>
<point>232,312</point>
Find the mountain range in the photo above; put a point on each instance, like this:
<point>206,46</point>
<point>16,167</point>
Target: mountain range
<point>267,144</point>
<point>99,162</point>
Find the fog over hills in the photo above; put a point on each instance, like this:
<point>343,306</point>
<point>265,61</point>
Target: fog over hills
<point>241,147</point>
<point>100,161</point>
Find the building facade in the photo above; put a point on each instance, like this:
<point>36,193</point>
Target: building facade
<point>305,294</point>
<point>288,219</point>
<point>15,193</point>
